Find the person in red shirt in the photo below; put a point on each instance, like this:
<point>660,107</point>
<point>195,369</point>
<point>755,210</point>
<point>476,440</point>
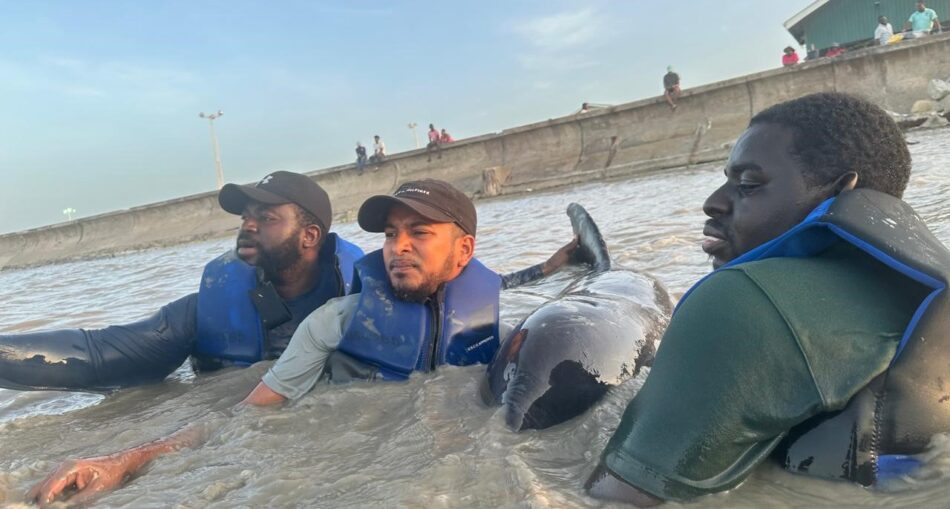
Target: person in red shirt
<point>834,51</point>
<point>790,57</point>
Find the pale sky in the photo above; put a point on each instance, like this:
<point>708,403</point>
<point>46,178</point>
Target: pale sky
<point>101,98</point>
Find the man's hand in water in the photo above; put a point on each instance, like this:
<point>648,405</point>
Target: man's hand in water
<point>560,258</point>
<point>84,479</point>
<point>91,477</point>
<point>87,477</point>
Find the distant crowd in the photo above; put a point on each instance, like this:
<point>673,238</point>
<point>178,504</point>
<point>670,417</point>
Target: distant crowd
<point>921,23</point>
<point>436,140</point>
<point>379,154</point>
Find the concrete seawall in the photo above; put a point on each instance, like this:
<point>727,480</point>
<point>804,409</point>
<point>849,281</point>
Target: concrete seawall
<point>603,144</point>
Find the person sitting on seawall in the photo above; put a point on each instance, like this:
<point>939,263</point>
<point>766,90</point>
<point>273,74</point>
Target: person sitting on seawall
<point>423,295</point>
<point>671,87</point>
<point>834,51</point>
<point>360,158</point>
<point>379,150</point>
<point>789,56</point>
<point>435,143</point>
<point>826,286</point>
<point>922,22</point>
<point>445,137</point>
<point>251,298</point>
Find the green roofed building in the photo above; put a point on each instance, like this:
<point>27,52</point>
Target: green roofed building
<point>851,23</point>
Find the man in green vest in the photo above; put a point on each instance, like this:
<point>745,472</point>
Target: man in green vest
<point>825,281</point>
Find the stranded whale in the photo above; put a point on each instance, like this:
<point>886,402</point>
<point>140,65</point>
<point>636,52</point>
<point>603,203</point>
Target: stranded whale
<point>566,354</point>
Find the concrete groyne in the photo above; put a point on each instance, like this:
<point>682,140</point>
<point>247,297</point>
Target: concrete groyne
<point>605,143</point>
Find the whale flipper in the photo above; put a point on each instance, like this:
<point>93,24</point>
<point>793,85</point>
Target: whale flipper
<point>591,248</point>
<point>566,354</point>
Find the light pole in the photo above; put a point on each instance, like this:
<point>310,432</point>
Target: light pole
<point>412,127</point>
<point>218,173</point>
<point>69,211</point>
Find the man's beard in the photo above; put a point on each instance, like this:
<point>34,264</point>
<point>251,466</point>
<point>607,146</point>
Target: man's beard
<point>273,261</point>
<point>430,284</point>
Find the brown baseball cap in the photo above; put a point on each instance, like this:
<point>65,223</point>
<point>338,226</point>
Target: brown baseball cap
<point>278,188</point>
<point>432,199</point>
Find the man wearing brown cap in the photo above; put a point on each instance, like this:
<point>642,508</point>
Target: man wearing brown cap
<point>420,301</point>
<point>251,299</point>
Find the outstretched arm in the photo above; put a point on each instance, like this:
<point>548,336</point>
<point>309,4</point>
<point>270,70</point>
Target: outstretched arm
<point>90,477</point>
<point>103,359</point>
<point>560,258</point>
<point>295,373</point>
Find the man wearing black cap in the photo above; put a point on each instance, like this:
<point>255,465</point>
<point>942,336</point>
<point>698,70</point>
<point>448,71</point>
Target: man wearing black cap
<point>423,296</point>
<point>420,301</point>
<point>251,299</point>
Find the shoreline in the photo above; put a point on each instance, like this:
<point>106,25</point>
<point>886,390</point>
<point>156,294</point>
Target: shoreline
<point>611,143</point>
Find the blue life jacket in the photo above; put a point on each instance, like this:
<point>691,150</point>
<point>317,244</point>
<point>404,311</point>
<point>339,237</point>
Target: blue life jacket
<point>457,326</point>
<point>898,412</point>
<point>230,331</point>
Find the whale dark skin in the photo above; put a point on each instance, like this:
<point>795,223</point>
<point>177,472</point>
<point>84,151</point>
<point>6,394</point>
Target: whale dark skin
<point>565,355</point>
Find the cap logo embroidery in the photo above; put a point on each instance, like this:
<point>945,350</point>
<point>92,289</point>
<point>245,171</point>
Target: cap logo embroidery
<point>265,180</point>
<point>412,190</point>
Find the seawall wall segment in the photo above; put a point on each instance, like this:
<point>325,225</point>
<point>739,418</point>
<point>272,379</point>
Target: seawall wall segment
<point>607,143</point>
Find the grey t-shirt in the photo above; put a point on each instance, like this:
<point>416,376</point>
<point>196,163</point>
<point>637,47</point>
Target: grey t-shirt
<point>303,362</point>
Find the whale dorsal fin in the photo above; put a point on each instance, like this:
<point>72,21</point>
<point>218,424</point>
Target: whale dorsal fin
<point>591,249</point>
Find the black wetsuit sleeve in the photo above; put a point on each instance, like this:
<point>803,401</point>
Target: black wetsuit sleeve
<point>522,277</point>
<point>102,359</point>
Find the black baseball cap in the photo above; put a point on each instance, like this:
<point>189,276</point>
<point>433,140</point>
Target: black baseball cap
<point>278,188</point>
<point>432,199</point>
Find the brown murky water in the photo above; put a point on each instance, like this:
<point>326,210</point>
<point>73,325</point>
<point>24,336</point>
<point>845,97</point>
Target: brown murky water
<point>425,443</point>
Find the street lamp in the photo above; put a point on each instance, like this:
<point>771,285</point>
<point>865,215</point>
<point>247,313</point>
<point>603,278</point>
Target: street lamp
<point>69,211</point>
<point>412,127</point>
<point>219,174</point>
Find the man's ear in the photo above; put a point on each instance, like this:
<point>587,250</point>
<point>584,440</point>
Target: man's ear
<point>466,245</point>
<point>846,182</point>
<point>311,235</point>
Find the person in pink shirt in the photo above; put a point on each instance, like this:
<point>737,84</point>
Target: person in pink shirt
<point>445,137</point>
<point>790,57</point>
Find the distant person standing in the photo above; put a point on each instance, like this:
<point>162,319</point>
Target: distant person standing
<point>812,53</point>
<point>379,150</point>
<point>834,51</point>
<point>922,21</point>
<point>790,57</point>
<point>434,142</point>
<point>445,137</point>
<point>671,86</point>
<point>360,157</point>
<point>884,31</point>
